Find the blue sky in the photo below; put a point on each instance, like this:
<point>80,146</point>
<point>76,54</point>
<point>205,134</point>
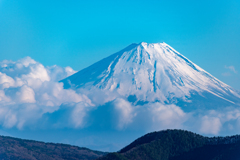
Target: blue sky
<point>79,33</point>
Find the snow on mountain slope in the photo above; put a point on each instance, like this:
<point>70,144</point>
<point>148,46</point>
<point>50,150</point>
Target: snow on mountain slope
<point>149,73</point>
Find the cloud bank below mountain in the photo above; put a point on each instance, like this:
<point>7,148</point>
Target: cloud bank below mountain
<point>31,96</point>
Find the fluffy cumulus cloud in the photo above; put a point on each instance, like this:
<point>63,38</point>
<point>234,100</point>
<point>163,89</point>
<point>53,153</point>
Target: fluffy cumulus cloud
<point>32,96</point>
<point>210,125</point>
<point>29,90</point>
<point>124,112</point>
<point>216,121</point>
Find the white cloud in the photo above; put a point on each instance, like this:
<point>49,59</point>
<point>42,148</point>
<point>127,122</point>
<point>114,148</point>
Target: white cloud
<point>10,120</point>
<point>124,112</point>
<point>232,68</point>
<point>26,62</point>
<point>6,81</point>
<point>3,97</point>
<point>26,95</point>
<point>79,113</point>
<point>210,125</point>
<point>30,94</point>
<point>218,121</point>
<point>57,73</point>
<point>169,116</point>
<point>28,90</point>
<point>157,116</point>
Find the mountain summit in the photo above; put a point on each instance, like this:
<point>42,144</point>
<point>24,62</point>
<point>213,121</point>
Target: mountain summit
<point>150,72</point>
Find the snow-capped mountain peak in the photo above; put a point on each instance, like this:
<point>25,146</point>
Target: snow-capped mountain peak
<point>150,72</point>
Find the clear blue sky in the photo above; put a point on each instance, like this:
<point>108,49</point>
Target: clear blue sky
<point>79,33</point>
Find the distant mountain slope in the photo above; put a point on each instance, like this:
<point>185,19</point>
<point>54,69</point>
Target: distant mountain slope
<point>14,148</point>
<point>179,145</point>
<point>153,72</point>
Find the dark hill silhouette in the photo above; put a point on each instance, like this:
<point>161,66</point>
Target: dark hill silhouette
<point>179,145</point>
<point>162,145</point>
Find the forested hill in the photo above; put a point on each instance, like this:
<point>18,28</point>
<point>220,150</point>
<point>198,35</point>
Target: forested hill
<point>179,145</point>
<point>163,145</point>
<point>15,148</point>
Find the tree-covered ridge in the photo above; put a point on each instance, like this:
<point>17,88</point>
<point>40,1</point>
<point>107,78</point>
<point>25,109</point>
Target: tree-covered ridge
<point>163,145</point>
<point>15,148</point>
<point>177,145</point>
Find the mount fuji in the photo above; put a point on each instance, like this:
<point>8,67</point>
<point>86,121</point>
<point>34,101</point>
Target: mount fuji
<point>152,72</point>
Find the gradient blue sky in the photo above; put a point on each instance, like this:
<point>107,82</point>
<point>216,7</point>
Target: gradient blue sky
<point>79,33</point>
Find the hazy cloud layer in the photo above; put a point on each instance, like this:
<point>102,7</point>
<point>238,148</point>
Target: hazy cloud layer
<point>31,96</point>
